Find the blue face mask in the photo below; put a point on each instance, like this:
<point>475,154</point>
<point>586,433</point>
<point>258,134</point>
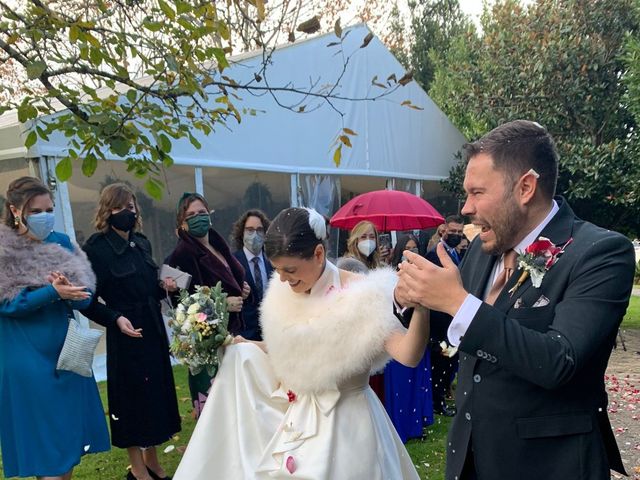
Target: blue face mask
<point>41,224</point>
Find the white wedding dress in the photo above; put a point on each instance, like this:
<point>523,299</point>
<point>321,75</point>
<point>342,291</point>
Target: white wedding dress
<point>305,410</point>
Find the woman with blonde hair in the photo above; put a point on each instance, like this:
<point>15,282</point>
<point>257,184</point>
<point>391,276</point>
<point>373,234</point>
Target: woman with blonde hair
<point>49,418</point>
<point>142,398</point>
<point>363,244</point>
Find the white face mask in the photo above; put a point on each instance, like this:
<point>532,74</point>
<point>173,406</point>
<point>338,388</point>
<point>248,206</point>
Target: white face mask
<point>366,247</point>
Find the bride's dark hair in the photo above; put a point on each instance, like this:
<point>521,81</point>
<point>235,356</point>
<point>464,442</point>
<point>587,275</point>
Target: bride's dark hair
<point>290,235</point>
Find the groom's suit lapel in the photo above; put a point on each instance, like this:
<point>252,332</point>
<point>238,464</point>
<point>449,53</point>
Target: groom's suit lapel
<point>558,230</point>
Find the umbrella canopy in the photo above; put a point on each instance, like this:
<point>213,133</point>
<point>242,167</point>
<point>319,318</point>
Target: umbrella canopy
<point>387,210</point>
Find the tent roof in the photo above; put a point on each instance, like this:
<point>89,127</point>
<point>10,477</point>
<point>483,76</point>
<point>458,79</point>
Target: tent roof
<point>392,140</point>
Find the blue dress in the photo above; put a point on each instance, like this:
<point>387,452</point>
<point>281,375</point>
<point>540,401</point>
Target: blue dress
<point>407,397</point>
<point>48,418</point>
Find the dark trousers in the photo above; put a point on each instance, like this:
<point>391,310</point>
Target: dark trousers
<point>442,371</point>
<point>469,469</point>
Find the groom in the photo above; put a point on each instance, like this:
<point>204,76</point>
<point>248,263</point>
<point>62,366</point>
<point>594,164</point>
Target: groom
<point>531,397</point>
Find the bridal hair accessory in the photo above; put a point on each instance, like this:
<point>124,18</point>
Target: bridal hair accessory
<point>317,223</point>
<point>536,260</point>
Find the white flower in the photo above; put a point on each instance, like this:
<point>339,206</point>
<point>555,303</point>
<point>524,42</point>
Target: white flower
<point>193,308</point>
<point>536,277</point>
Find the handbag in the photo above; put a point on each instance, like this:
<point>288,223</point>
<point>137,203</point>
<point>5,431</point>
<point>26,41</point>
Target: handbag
<point>77,352</point>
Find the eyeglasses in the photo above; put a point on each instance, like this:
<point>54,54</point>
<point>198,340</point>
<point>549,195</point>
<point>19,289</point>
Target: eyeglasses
<point>253,230</point>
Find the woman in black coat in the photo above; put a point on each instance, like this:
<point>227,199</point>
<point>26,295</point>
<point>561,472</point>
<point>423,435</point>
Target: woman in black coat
<point>142,399</point>
<point>205,255</point>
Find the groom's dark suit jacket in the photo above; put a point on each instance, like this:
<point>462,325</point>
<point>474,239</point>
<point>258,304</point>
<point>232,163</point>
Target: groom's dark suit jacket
<point>531,396</point>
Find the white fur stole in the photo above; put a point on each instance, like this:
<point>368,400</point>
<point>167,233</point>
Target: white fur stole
<point>317,343</point>
<point>26,263</point>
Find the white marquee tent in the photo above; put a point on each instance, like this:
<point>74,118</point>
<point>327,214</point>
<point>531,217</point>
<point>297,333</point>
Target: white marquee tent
<point>278,157</point>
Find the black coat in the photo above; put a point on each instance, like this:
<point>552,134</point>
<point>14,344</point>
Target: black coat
<point>142,398</point>
<point>531,396</point>
<point>206,269</point>
<point>251,306</point>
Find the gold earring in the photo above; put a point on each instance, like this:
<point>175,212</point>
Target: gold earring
<point>16,221</point>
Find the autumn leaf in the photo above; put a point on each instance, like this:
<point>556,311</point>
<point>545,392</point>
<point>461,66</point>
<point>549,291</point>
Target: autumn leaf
<point>337,29</point>
<point>406,78</point>
<point>337,155</point>
<point>367,40</point>
<point>310,26</point>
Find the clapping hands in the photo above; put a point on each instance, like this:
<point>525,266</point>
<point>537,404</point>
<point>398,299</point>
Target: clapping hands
<point>66,290</point>
<point>424,283</point>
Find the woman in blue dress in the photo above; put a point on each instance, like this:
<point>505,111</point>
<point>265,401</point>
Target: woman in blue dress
<point>408,390</point>
<point>48,418</point>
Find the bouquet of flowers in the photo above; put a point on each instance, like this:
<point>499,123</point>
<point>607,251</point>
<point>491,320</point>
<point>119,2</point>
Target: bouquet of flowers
<point>199,326</point>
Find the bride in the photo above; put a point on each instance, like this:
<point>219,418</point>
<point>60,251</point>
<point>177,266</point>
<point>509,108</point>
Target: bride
<point>298,405</point>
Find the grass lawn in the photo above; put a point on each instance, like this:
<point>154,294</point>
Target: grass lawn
<point>632,318</point>
<point>428,454</point>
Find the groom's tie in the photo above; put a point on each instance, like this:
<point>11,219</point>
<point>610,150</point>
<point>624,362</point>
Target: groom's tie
<point>509,262</point>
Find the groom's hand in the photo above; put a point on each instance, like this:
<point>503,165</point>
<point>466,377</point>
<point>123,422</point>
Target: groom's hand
<point>437,288</point>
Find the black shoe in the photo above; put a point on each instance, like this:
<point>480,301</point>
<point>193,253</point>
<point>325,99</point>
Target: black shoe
<point>155,476</point>
<point>445,411</point>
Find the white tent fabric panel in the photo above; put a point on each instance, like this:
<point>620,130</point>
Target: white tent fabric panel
<point>392,140</point>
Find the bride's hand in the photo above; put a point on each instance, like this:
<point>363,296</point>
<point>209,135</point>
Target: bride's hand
<point>241,339</point>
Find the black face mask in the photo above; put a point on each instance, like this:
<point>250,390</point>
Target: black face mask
<point>453,240</point>
<point>124,220</point>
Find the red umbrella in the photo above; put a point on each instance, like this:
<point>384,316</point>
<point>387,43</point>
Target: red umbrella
<point>387,210</point>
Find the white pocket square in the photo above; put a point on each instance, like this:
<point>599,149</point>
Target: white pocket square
<point>541,302</point>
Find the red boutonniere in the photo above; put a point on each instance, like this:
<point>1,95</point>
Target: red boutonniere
<point>536,260</point>
<point>291,396</point>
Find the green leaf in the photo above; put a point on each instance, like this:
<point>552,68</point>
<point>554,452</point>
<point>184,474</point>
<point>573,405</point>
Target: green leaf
<point>26,112</point>
<point>74,33</point>
<point>221,58</point>
<point>64,169</point>
<point>132,95</point>
<point>194,141</point>
<point>167,10</point>
<point>153,188</point>
<point>182,7</point>
<point>152,26</point>
<point>164,143</point>
<point>31,139</point>
<point>89,164</point>
<point>95,55</point>
<point>119,146</point>
<point>35,69</point>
